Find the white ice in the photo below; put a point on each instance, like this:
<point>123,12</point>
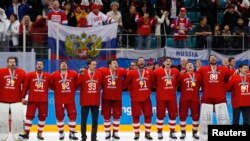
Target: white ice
<point>124,136</point>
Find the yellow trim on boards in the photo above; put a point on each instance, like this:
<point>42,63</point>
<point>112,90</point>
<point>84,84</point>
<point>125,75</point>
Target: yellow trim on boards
<point>123,128</point>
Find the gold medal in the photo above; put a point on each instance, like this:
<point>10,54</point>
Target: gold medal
<point>243,88</point>
<point>63,86</point>
<point>113,83</point>
<point>38,85</point>
<point>193,84</point>
<point>141,83</point>
<point>168,82</point>
<point>12,82</point>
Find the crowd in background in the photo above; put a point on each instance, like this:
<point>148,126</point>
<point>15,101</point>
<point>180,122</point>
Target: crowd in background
<point>139,18</point>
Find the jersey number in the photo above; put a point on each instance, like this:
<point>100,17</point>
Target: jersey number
<point>8,83</point>
<point>92,86</point>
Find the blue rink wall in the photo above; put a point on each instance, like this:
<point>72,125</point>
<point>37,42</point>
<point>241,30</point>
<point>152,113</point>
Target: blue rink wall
<point>126,109</point>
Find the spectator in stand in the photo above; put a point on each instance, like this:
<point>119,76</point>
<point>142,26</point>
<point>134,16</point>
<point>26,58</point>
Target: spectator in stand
<point>240,30</point>
<point>217,38</point>
<point>203,32</point>
<point>81,16</point>
<point>230,17</point>
<point>144,30</point>
<point>57,14</point>
<point>35,8</point>
<point>173,6</point>
<point>20,9</point>
<point>26,21</point>
<point>181,27</point>
<point>241,6</point>
<point>125,6</point>
<point>71,17</point>
<point>227,39</point>
<point>4,22</point>
<point>39,34</point>
<point>47,6</point>
<point>116,15</point>
<point>12,34</point>
<point>212,7</point>
<point>129,27</point>
<point>87,4</point>
<point>97,18</point>
<point>161,28</point>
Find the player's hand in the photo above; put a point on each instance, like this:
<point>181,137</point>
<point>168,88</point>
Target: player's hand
<point>81,71</point>
<point>25,102</point>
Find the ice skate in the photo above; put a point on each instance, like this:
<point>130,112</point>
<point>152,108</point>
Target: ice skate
<point>115,136</point>
<point>72,136</point>
<point>148,137</point>
<point>172,136</point>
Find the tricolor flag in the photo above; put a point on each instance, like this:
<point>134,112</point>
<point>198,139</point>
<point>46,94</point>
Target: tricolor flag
<point>68,42</point>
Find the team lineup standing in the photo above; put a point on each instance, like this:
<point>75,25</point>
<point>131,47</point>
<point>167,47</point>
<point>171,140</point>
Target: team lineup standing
<point>15,84</point>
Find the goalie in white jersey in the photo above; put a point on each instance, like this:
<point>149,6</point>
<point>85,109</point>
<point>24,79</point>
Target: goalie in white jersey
<point>97,18</point>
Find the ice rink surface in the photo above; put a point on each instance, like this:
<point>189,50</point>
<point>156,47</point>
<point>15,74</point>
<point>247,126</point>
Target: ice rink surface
<point>124,136</point>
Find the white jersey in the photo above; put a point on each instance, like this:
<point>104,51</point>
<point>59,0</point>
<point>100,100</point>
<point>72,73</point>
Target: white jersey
<point>98,19</point>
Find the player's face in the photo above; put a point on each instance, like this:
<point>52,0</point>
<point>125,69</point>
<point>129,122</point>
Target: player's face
<point>212,60</point>
<point>39,66</point>
<point>167,63</point>
<point>244,69</point>
<point>184,61</point>
<point>190,67</point>
<point>92,65</point>
<point>63,66</point>
<point>133,66</point>
<point>11,63</point>
<point>233,62</point>
<point>198,63</point>
<point>113,65</point>
<point>141,63</point>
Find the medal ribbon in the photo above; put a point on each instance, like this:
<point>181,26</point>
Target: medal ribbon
<point>12,74</point>
<point>112,75</point>
<point>39,78</point>
<point>192,77</point>
<point>168,74</point>
<point>243,81</point>
<point>214,70</point>
<point>64,78</point>
<point>91,76</point>
<point>141,75</point>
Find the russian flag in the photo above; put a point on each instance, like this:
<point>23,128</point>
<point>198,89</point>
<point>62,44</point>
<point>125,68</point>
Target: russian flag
<point>68,42</point>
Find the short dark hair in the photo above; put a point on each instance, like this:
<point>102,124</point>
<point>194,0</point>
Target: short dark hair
<point>230,59</point>
<point>12,57</point>
<point>167,57</point>
<point>39,60</point>
<point>62,62</point>
<point>202,18</point>
<point>90,61</point>
<point>14,15</point>
<point>139,58</point>
<point>110,61</point>
<point>242,65</point>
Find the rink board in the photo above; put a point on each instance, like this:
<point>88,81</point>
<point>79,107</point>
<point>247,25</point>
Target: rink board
<point>126,119</point>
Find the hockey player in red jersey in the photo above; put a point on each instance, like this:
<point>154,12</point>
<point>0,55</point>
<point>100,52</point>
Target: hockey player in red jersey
<point>112,97</point>
<point>214,80</point>
<point>90,82</point>
<point>37,84</point>
<point>64,85</point>
<point>239,86</point>
<point>140,81</point>
<point>189,99</point>
<point>11,80</point>
<point>165,81</point>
